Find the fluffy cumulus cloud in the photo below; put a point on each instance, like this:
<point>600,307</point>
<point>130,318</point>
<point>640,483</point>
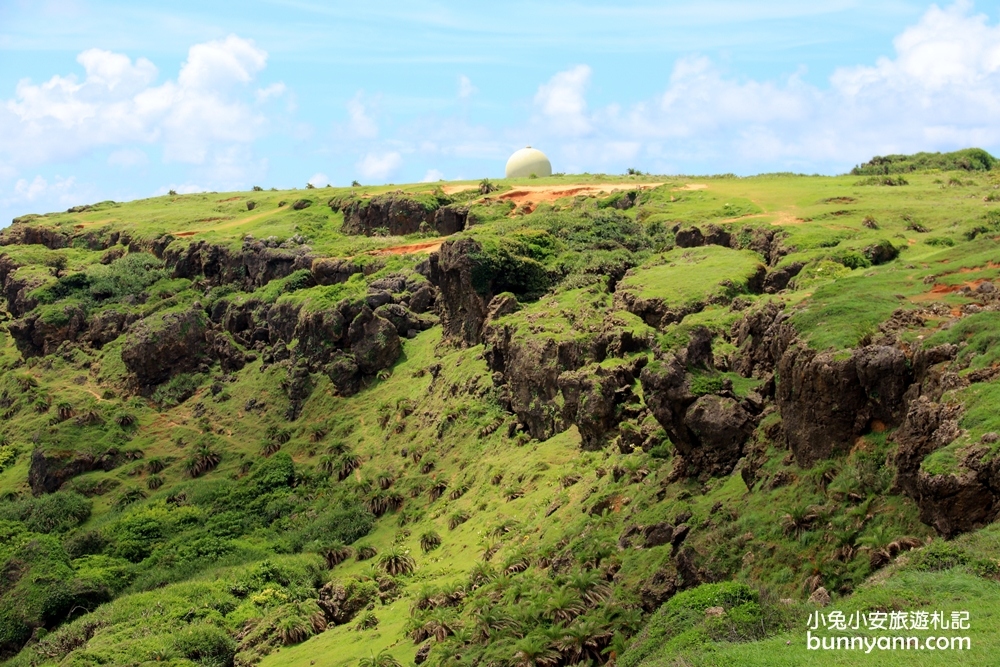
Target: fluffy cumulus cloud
<point>379,166</point>
<point>940,90</point>
<point>116,103</point>
<point>562,102</point>
<point>432,176</point>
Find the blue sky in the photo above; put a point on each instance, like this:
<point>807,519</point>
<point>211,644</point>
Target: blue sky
<point>119,100</point>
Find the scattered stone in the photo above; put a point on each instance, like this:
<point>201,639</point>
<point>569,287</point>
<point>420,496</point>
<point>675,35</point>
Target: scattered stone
<point>820,597</point>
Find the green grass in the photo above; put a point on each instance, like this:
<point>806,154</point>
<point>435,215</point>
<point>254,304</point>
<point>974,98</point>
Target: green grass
<point>688,277</point>
<point>174,568</point>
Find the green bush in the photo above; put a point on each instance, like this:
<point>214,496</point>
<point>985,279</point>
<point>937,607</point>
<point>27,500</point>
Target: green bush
<point>968,159</point>
<point>685,613</point>
<point>206,645</point>
<point>502,266</point>
<point>54,513</point>
<point>131,274</point>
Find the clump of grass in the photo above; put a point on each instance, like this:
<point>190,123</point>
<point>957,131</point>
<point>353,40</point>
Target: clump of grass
<point>396,562</point>
<point>429,541</point>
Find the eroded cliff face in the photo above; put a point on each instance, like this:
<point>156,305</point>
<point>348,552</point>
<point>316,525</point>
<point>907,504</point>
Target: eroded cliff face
<point>605,378</point>
<point>391,215</point>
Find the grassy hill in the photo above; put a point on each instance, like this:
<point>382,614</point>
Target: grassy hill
<point>581,419</point>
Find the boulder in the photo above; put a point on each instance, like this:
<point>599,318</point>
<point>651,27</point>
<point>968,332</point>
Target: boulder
<point>463,306</point>
<point>374,342</point>
<point>164,345</point>
<point>50,469</point>
<point>689,238</point>
<point>827,400</point>
<point>329,271</point>
<point>720,427</point>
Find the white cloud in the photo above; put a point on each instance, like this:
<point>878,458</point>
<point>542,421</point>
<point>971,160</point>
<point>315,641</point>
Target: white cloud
<point>361,125</point>
<point>25,191</point>
<point>116,71</point>
<point>940,90</point>
<point>561,100</point>
<point>60,191</point>
<point>379,166</point>
<point>116,103</point>
<point>221,63</point>
<point>274,90</point>
<point>432,176</point>
<point>319,180</point>
<point>465,87</point>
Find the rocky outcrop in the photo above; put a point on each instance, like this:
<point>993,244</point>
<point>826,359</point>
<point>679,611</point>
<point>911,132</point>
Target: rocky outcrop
<point>690,237</point>
<point>107,325</point>
<point>37,334</point>
<point>161,346</point>
<point>593,398</point>
<point>341,601</point>
<point>331,271</point>
<point>254,265</point>
<point>654,312</point>
<point>551,383</point>
<point>765,242</point>
<point>20,233</point>
<point>762,335</point>
<point>827,400</point>
<point>50,469</point>
<point>396,215</point>
<point>16,288</point>
<point>463,306</point>
<point>374,342</point>
<point>778,279</point>
<point>708,430</point>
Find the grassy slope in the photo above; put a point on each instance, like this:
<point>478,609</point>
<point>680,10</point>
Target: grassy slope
<point>832,303</point>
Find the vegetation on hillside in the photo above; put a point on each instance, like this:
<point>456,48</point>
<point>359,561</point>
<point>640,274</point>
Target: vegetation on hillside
<point>650,426</point>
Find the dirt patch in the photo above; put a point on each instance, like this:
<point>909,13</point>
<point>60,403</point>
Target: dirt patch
<point>210,219</point>
<point>840,200</point>
<point>426,247</point>
<point>974,269</point>
<point>455,189</point>
<point>693,186</point>
<point>186,233</point>
<point>223,201</point>
<point>78,226</point>
<point>533,195</point>
<point>939,290</point>
<point>95,395</point>
<point>786,218</point>
<point>745,217</point>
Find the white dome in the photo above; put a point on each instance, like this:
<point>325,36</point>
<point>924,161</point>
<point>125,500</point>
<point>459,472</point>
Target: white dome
<point>528,161</point>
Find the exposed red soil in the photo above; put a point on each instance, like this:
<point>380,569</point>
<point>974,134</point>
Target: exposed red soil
<point>939,290</point>
<point>408,249</point>
<point>186,233</point>
<point>973,269</point>
<point>532,195</point>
